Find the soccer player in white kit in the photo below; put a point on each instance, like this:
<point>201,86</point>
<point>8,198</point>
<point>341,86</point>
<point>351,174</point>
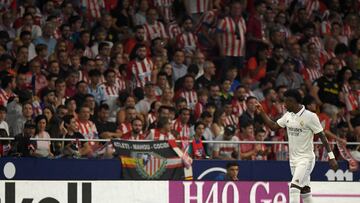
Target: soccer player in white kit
<point>301,125</point>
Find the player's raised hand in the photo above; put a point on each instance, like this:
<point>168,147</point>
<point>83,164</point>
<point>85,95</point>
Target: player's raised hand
<point>259,108</point>
<point>333,164</point>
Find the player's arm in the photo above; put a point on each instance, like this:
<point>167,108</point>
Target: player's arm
<point>332,161</point>
<point>267,120</point>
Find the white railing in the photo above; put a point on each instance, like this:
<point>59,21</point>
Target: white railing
<point>204,141</point>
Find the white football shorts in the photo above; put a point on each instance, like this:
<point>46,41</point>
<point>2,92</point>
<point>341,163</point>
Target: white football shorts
<point>301,171</point>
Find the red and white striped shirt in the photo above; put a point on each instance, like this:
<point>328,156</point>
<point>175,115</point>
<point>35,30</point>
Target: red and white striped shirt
<point>231,43</point>
<point>83,76</point>
<point>155,134</point>
<point>173,29</point>
<point>326,28</point>
<point>197,6</point>
<point>325,56</point>
<point>238,107</point>
<point>120,81</point>
<point>93,8</point>
<point>232,120</point>
<point>4,97</point>
<point>151,118</point>
<point>311,6</point>
<point>190,96</point>
<point>198,109</point>
<point>87,129</point>
<point>140,72</point>
<point>5,5</point>
<point>209,19</point>
<point>125,128</point>
<point>318,43</point>
<point>187,41</point>
<point>155,30</point>
<point>347,31</point>
<point>352,100</point>
<point>129,136</point>
<point>165,7</point>
<point>110,91</point>
<point>311,74</point>
<point>182,129</point>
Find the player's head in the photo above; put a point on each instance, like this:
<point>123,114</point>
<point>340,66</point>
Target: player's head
<point>292,99</point>
<point>232,170</point>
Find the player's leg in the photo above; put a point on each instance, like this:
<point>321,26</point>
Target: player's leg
<point>306,190</point>
<point>294,193</point>
<point>298,171</point>
<point>305,194</point>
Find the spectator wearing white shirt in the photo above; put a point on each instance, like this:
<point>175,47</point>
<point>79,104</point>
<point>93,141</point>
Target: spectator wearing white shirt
<point>28,24</point>
<point>178,66</point>
<point>3,123</point>
<point>143,106</point>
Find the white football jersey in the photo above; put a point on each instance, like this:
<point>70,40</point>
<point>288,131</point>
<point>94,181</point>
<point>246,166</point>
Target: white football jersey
<point>301,128</point>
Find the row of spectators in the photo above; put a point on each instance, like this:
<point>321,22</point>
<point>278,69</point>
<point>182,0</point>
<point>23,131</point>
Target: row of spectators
<point>189,70</point>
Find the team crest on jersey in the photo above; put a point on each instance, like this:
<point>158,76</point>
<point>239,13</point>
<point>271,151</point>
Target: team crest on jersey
<point>150,165</point>
<point>302,123</point>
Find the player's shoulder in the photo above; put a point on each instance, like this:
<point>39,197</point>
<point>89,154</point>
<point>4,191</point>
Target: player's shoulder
<point>309,114</point>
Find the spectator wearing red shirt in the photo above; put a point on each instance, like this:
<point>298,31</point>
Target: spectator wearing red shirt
<point>312,70</point>
<point>141,69</point>
<point>255,29</point>
<point>247,151</point>
<point>139,38</point>
<point>196,149</point>
<point>153,27</point>
<point>162,132</point>
<point>187,40</point>
<point>271,105</point>
<point>230,37</point>
<point>203,96</point>
<point>238,101</point>
<point>257,65</point>
<point>136,130</point>
<point>72,80</point>
<point>263,150</point>
<point>188,91</point>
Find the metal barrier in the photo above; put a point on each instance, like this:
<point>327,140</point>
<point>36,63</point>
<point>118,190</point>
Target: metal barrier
<point>205,141</point>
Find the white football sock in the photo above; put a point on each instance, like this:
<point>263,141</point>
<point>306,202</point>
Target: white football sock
<point>307,198</point>
<point>294,194</point>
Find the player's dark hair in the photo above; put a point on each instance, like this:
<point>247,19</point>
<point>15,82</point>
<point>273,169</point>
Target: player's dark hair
<point>293,93</point>
<point>231,164</point>
<point>308,99</point>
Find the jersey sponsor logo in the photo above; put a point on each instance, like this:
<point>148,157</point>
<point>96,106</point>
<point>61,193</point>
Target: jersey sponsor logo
<point>339,175</point>
<point>294,131</point>
<point>150,165</point>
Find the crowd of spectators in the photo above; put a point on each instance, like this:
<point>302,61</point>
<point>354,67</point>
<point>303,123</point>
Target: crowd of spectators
<point>190,70</point>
